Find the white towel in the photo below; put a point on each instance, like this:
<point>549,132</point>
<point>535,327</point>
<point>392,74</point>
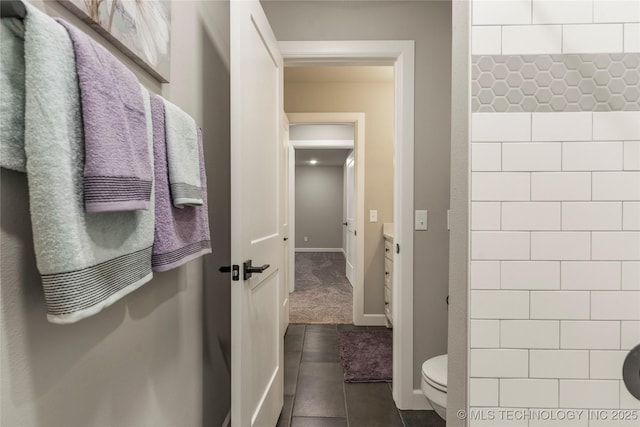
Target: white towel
<point>86,261</point>
<point>183,158</point>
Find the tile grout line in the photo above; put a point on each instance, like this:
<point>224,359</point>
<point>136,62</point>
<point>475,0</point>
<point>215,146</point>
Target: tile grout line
<point>344,390</point>
<point>295,393</point>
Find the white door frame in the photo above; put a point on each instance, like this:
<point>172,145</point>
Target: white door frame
<point>400,54</point>
<point>357,120</point>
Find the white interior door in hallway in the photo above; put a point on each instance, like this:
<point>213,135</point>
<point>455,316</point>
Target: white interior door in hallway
<point>350,199</point>
<point>257,341</point>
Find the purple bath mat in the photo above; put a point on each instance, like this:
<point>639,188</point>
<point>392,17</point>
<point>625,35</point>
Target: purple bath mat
<point>366,355</point>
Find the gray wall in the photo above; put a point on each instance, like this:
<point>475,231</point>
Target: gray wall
<point>319,201</point>
<point>429,24</point>
<point>139,362</point>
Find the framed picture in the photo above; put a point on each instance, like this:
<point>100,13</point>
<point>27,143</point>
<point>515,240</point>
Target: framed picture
<point>139,28</point>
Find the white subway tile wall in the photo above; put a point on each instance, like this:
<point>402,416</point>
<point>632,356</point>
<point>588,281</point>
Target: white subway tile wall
<point>589,394</point>
<point>586,335</point>
<point>632,155</point>
<point>560,245</point>
<point>616,11</point>
<point>606,365</point>
<point>531,39</point>
<point>591,275</point>
<point>627,401</point>
<point>486,216</point>
<point>540,275</point>
<point>484,391</point>
<point>561,126</point>
<point>530,334</point>
<point>592,156</point>
<point>589,38</point>
<point>527,216</point>
<point>488,157</point>
<point>616,125</point>
<point>631,276</point>
<point>631,215</point>
<point>487,40</point>
<point>629,334</point>
<point>555,213</point>
<point>533,156</point>
<point>618,305</point>
<point>568,364</point>
<point>485,333</point>
<point>559,305</point>
<point>560,26</point>
<point>497,12</point>
<point>631,37</point>
<point>530,393</point>
<point>485,274</point>
<point>591,215</point>
<point>562,11</point>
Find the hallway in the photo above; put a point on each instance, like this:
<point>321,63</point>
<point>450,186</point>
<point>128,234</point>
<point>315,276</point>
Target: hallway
<point>323,294</point>
<point>317,396</point>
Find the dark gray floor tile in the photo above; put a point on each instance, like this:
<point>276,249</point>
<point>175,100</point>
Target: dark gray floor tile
<point>321,341</point>
<point>371,405</point>
<point>320,356</point>
<point>319,391</point>
<point>318,422</point>
<point>291,367</point>
<point>295,330</point>
<point>327,329</point>
<point>285,415</point>
<point>421,419</point>
<point>293,343</point>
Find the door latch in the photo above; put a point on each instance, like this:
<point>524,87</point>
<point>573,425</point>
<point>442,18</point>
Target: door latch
<point>249,269</point>
<point>233,269</point>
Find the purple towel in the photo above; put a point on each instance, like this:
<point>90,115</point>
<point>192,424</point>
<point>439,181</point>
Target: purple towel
<point>180,234</point>
<point>117,169</point>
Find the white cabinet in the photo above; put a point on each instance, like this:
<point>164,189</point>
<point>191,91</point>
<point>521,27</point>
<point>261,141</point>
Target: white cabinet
<point>387,233</point>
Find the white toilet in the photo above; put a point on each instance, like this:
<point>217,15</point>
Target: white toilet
<point>434,383</point>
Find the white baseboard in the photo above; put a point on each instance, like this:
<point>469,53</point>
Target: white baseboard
<point>419,402</point>
<point>318,249</point>
<point>370,320</point>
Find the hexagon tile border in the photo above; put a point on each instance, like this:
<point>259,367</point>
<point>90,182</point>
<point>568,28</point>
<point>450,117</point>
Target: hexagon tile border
<point>539,83</point>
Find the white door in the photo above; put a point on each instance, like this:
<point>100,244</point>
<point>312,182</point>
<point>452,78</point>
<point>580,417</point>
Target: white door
<point>351,216</point>
<point>257,342</point>
<point>284,209</point>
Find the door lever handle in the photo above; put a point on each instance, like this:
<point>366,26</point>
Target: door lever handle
<point>344,223</point>
<point>249,269</point>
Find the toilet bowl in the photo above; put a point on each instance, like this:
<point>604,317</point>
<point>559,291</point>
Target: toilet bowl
<point>434,383</point>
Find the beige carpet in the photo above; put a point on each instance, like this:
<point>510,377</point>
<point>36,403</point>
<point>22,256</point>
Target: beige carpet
<point>323,294</point>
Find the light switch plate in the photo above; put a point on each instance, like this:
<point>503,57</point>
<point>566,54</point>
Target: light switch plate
<point>373,215</point>
<point>421,220</point>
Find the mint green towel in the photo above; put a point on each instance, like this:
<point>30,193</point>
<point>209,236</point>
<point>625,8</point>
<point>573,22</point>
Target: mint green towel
<point>86,261</point>
<point>183,157</point>
<point>12,94</point>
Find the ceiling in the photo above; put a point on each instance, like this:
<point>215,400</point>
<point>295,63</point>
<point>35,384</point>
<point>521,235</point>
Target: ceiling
<point>325,157</point>
<point>338,74</point>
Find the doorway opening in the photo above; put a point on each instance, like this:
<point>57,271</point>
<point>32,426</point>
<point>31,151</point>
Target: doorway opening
<point>400,56</point>
<point>318,198</point>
